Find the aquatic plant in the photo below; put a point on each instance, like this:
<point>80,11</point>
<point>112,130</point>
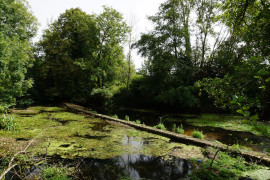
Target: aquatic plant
<point>115,116</point>
<point>180,130</point>
<point>160,126</point>
<point>174,128</point>
<point>198,134</point>
<point>127,118</point>
<point>138,121</point>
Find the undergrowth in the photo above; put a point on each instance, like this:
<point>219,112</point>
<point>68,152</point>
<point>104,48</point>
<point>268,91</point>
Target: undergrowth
<point>223,167</point>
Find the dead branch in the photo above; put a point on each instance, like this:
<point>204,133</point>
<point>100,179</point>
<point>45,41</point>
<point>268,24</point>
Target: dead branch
<point>11,165</point>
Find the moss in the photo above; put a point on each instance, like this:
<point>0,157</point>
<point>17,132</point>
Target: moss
<point>229,122</point>
<point>260,174</point>
<point>85,136</point>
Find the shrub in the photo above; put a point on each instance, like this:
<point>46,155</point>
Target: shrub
<point>198,134</point>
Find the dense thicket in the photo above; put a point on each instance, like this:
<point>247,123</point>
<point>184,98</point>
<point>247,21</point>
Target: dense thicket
<point>17,27</point>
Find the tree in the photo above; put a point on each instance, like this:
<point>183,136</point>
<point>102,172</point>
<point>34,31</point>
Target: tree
<point>109,55</point>
<point>81,55</point>
<point>66,55</point>
<point>168,52</point>
<point>249,21</point>
<point>130,41</point>
<point>17,27</point>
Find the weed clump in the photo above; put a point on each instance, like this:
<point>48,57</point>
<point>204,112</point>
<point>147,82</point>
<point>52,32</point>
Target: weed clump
<point>138,121</point>
<point>127,118</point>
<point>8,124</point>
<point>160,126</point>
<point>179,129</point>
<point>115,116</point>
<point>198,134</point>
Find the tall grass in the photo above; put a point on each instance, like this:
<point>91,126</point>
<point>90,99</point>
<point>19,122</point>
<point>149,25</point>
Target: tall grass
<point>8,124</point>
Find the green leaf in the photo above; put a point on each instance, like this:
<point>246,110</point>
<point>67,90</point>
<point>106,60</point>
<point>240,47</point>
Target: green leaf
<point>258,77</point>
<point>267,80</point>
<point>240,111</point>
<point>262,72</point>
<point>254,117</point>
<point>246,108</point>
<point>246,113</point>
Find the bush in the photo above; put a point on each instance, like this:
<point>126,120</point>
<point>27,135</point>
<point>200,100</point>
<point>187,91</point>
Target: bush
<point>198,134</point>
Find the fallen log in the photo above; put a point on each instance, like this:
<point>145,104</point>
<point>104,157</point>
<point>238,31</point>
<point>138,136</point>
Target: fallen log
<point>248,155</point>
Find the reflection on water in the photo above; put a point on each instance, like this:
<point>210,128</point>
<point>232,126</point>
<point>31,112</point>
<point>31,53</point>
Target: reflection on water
<point>135,166</point>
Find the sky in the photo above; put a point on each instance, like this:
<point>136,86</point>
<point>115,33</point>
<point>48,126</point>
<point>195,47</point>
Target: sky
<point>48,10</point>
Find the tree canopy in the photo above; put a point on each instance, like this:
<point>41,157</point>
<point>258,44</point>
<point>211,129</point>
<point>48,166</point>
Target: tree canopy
<point>17,27</point>
<point>81,55</point>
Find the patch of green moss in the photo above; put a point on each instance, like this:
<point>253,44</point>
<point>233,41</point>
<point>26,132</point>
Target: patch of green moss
<point>259,174</point>
<point>71,135</point>
<point>229,122</point>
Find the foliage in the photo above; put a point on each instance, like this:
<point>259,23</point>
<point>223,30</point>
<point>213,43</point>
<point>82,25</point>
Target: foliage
<point>198,134</point>
<point>168,70</point>
<point>179,129</point>
<point>160,126</point>
<point>7,123</point>
<point>224,167</point>
<point>127,118</point>
<point>115,116</point>
<point>81,56</point>
<point>241,85</point>
<point>138,121</point>
<point>249,21</point>
<point>55,173</point>
<point>17,28</point>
